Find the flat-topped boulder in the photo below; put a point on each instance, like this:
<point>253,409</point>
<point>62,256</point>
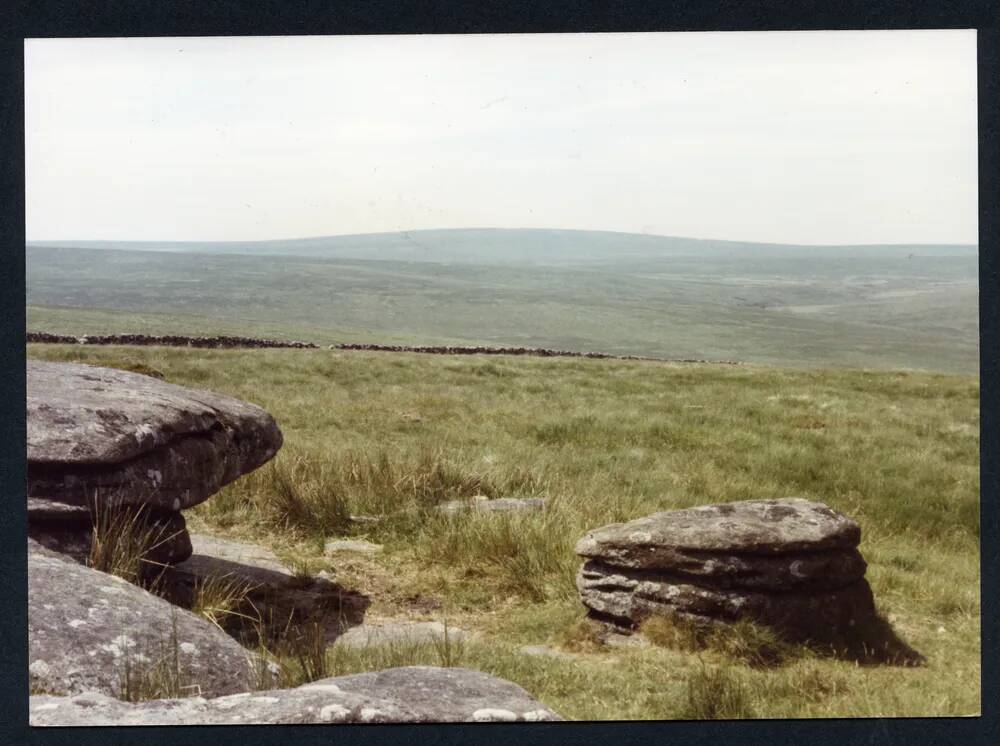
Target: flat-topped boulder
<point>789,564</point>
<point>755,527</point>
<point>132,438</point>
<point>413,694</point>
<point>93,632</point>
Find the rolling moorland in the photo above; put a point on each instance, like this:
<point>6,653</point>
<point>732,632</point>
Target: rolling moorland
<point>860,390</point>
<point>391,436</point>
<point>884,307</point>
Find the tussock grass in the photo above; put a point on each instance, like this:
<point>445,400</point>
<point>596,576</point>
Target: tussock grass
<point>525,554</point>
<point>122,540</point>
<point>154,673</point>
<point>219,597</point>
<point>391,436</point>
<point>742,642</point>
<point>716,693</point>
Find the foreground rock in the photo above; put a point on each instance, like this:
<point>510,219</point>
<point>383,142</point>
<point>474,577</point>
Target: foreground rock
<point>274,597</point>
<point>127,437</point>
<point>417,694</point>
<point>790,564</point>
<point>93,632</point>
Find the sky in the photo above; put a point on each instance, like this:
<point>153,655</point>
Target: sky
<point>787,137</point>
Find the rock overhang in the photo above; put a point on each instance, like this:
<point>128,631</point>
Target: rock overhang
<point>113,433</point>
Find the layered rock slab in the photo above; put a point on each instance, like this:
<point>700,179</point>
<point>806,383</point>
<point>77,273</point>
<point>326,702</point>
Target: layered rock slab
<point>790,564</point>
<point>89,632</point>
<point>107,434</point>
<point>414,694</point>
<point>629,597</point>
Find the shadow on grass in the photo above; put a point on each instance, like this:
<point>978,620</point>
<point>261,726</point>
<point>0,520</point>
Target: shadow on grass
<point>871,642</point>
<point>269,605</point>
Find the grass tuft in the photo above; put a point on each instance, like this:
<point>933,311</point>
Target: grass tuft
<point>122,541</point>
<point>716,693</point>
<point>742,642</point>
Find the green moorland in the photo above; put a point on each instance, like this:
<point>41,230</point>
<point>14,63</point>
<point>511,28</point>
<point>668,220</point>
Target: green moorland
<point>392,434</point>
<point>887,307</point>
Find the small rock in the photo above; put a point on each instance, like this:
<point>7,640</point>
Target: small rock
<point>545,650</point>
<point>332,546</point>
<point>386,632</point>
<point>365,519</point>
<point>480,503</point>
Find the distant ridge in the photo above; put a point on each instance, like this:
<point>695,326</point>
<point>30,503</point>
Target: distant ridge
<point>502,246</point>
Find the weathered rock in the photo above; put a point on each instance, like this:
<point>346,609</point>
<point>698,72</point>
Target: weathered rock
<point>90,631</point>
<point>131,438</point>
<point>41,510</point>
<point>388,632</point>
<point>822,570</point>
<point>333,546</point>
<point>496,505</point>
<point>549,652</point>
<point>271,589</point>
<point>630,596</point>
<point>764,527</point>
<point>791,565</point>
<point>414,694</point>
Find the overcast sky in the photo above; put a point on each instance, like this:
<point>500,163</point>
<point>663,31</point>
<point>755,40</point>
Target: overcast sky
<point>804,137</point>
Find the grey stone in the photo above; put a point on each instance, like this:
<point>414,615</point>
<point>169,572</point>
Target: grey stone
<point>753,527</point>
<point>388,632</point>
<point>548,652</point>
<point>333,546</point>
<point>630,596</point>
<point>496,505</point>
<point>415,694</point>
<point>819,570</point>
<point>127,437</point>
<point>791,565</point>
<point>365,519</point>
<point>41,510</point>
<point>87,628</point>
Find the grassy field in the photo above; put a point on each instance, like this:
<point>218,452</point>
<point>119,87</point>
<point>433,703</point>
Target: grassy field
<point>392,434</point>
<point>884,307</point>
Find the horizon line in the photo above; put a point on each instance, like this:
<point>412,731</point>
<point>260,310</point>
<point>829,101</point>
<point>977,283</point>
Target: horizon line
<point>483,228</point>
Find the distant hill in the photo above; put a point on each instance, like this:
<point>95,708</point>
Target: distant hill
<point>625,294</point>
<point>510,246</point>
